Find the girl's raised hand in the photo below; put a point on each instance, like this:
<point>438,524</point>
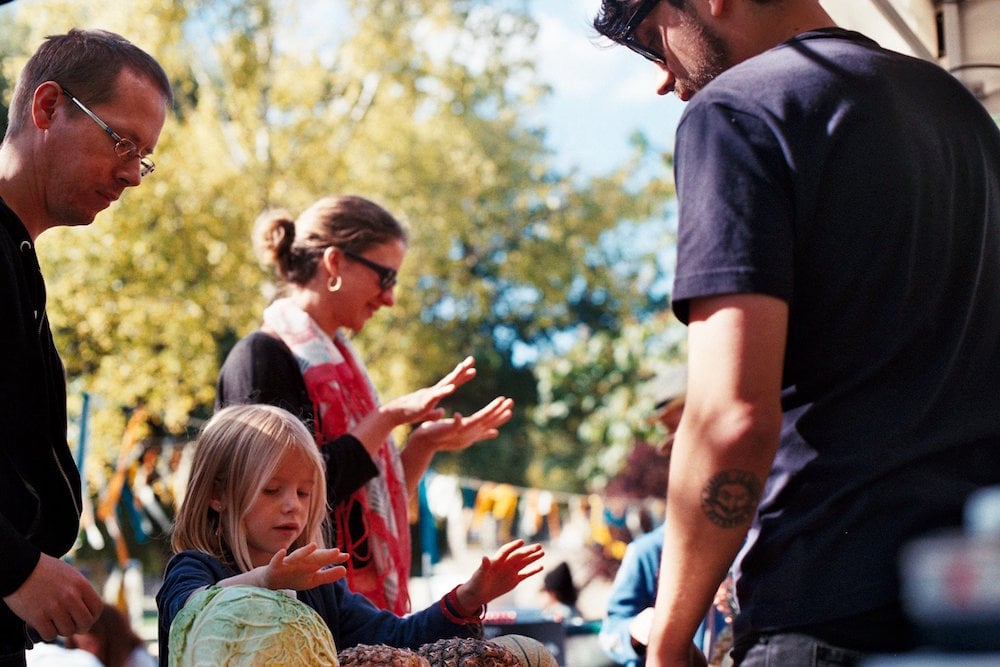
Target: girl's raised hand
<point>513,563</point>
<point>304,568</point>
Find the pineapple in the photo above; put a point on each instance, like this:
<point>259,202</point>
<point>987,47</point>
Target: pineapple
<point>467,653</point>
<point>379,655</point>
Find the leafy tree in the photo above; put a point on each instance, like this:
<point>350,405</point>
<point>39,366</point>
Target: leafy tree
<point>596,403</point>
<point>14,34</point>
<point>417,105</point>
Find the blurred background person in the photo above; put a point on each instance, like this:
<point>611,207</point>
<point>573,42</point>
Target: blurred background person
<point>113,641</point>
<point>560,593</point>
<point>624,632</point>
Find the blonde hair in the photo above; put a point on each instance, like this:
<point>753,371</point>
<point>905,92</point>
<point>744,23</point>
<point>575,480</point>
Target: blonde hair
<point>237,452</point>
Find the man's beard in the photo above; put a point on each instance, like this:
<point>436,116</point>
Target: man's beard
<point>712,59</point>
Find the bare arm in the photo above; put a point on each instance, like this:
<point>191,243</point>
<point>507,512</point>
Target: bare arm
<point>724,448</point>
<point>436,433</point>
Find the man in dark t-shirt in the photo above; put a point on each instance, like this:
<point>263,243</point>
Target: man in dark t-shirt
<point>839,269</point>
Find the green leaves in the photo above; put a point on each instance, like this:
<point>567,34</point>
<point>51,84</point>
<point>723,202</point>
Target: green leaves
<point>418,105</point>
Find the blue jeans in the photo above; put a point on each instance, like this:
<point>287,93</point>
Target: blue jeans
<point>794,650</point>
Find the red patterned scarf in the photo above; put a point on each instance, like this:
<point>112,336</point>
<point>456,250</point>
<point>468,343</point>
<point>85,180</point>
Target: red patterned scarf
<point>342,394</point>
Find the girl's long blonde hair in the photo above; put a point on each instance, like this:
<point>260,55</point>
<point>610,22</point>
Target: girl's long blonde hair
<point>237,452</point>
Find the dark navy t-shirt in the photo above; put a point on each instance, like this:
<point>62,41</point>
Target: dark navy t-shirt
<point>862,187</point>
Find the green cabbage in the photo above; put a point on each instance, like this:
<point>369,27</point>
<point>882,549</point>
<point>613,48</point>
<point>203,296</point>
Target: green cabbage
<point>247,626</point>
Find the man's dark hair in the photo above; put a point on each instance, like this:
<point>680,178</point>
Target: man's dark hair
<point>614,15</point>
<point>88,63</point>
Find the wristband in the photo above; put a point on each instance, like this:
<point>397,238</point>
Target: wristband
<point>452,610</point>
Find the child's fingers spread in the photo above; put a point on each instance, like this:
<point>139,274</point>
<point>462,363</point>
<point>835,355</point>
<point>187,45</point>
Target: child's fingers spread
<point>510,548</point>
<point>531,549</point>
<point>332,556</point>
<point>299,554</point>
<point>304,552</point>
<point>329,575</point>
<point>321,558</point>
<point>530,553</point>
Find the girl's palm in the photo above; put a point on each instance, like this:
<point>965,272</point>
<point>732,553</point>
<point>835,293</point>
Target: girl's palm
<point>306,567</point>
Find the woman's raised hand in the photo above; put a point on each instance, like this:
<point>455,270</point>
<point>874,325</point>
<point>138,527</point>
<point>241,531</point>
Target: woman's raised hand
<point>462,373</point>
<point>422,404</point>
<point>458,432</point>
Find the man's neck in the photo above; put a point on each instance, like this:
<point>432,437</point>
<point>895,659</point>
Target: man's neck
<point>758,28</point>
<point>18,191</point>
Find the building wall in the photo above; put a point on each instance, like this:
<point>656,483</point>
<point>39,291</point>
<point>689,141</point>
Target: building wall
<point>978,54</point>
<point>969,34</point>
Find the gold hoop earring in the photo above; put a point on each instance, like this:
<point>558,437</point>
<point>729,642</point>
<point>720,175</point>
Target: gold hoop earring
<point>333,285</point>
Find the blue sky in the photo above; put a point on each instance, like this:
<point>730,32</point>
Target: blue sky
<point>602,94</point>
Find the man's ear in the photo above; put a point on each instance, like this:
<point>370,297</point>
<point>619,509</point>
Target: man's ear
<point>215,504</point>
<point>44,103</point>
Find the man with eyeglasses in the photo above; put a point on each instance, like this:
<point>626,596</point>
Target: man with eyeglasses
<point>65,157</point>
<point>838,266</point>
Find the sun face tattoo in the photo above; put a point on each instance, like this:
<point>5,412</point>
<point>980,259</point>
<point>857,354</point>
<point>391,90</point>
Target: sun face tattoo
<point>730,498</point>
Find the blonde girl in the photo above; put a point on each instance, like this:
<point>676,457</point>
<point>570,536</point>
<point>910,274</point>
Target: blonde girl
<point>253,514</point>
<point>236,457</point>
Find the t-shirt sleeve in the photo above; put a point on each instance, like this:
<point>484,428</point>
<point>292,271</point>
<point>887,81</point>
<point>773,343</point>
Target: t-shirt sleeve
<point>736,206</point>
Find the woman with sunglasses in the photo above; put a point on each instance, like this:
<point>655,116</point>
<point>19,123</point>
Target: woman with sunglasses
<point>337,263</point>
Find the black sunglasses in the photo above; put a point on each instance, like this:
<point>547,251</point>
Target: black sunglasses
<point>626,35</point>
<point>386,276</point>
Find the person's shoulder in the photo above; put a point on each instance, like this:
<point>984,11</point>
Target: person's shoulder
<point>655,535</point>
<point>778,71</point>
<point>192,558</point>
<point>255,345</point>
<point>261,340</point>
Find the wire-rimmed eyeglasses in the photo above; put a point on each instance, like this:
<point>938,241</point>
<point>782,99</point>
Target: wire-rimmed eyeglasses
<point>125,149</point>
<point>386,276</point>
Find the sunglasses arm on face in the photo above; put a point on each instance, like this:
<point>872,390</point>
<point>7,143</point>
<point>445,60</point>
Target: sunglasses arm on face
<point>386,276</point>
